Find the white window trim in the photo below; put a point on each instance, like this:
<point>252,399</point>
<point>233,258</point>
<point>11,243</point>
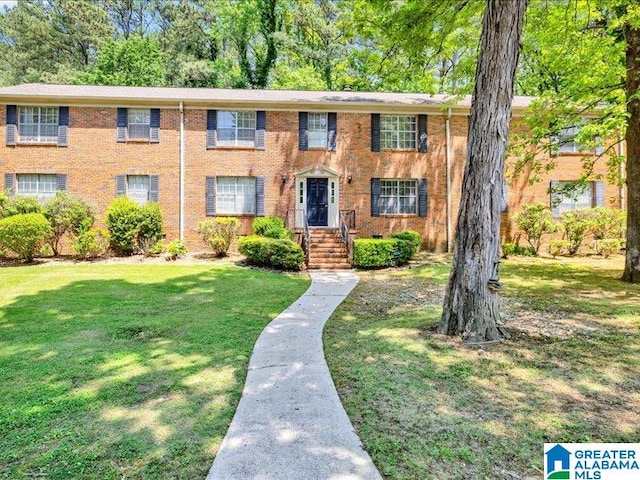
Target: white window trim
<point>238,198</point>
<point>235,142</point>
<point>38,137</point>
<point>321,134</point>
<point>39,193</point>
<point>396,132</point>
<point>138,195</point>
<point>396,195</point>
<point>569,204</point>
<point>144,126</point>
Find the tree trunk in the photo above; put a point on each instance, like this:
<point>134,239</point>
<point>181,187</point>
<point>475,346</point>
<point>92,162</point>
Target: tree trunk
<point>471,307</point>
<point>632,264</point>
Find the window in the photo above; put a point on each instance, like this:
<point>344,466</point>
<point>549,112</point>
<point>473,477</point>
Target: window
<point>317,130</point>
<point>139,123</point>
<point>38,124</point>
<point>236,195</point>
<point>398,197</point>
<point>581,197</point>
<point>41,186</point>
<point>138,188</point>
<point>398,132</point>
<point>566,142</point>
<point>236,129</point>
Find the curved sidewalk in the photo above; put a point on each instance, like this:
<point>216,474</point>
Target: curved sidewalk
<point>290,423</point>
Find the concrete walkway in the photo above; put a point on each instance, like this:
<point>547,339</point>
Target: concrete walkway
<point>290,423</point>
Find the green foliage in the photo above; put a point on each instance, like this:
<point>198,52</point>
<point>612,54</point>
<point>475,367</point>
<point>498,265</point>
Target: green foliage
<point>18,205</point>
<point>272,227</point>
<point>281,254</point>
<point>123,218</point>
<point>558,247</point>
<point>24,234</point>
<point>67,215</point>
<point>175,249</point>
<point>509,249</point>
<point>574,224</point>
<point>218,234</point>
<point>607,223</point>
<point>379,253</point>
<point>608,246</point>
<point>411,236</point>
<point>91,243</point>
<point>535,220</point>
<point>150,227</point>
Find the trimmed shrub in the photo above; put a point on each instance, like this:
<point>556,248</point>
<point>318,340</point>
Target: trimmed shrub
<point>380,253</point>
<point>123,218</point>
<point>534,221</point>
<point>175,249</point>
<point>575,225</point>
<point>411,236</point>
<point>278,253</point>
<point>149,227</point>
<point>607,223</point>
<point>272,227</point>
<point>558,247</point>
<point>218,234</point>
<point>608,246</point>
<point>19,205</point>
<point>91,243</point>
<point>67,214</point>
<point>515,249</point>
<point>24,234</point>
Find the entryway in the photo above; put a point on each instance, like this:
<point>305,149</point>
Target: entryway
<point>318,202</point>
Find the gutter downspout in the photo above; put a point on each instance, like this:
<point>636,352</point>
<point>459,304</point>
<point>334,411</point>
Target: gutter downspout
<point>621,191</point>
<point>181,214</point>
<point>447,129</point>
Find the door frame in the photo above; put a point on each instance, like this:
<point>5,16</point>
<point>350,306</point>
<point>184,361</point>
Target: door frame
<point>333,194</point>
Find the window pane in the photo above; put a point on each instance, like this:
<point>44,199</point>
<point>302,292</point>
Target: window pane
<point>139,122</point>
<point>236,195</point>
<point>398,131</point>
<point>580,198</point>
<point>398,197</point>
<point>43,187</point>
<point>138,188</point>
<point>236,129</point>
<point>38,124</point>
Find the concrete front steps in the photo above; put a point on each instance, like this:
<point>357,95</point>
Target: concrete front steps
<point>327,252</point>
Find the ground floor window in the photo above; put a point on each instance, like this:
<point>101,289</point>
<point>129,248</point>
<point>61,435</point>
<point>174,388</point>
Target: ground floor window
<point>41,186</point>
<point>568,196</point>
<point>236,195</point>
<point>398,197</point>
<point>138,188</point>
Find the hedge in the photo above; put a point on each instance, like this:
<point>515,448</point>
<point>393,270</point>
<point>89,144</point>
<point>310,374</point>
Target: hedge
<point>379,253</point>
<point>24,234</point>
<point>281,254</point>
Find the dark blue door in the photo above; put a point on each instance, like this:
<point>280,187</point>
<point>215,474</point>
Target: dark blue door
<point>317,202</point>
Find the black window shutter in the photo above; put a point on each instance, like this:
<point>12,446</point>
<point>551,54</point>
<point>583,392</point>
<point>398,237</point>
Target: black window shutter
<point>121,185</point>
<point>303,139</point>
<point>12,128</point>
<point>556,198</point>
<point>260,196</point>
<point>422,133</point>
<point>375,197</point>
<point>504,204</point>
<point>422,197</point>
<point>63,126</point>
<point>121,121</point>
<point>261,129</point>
<point>61,181</point>
<point>375,132</point>
<point>153,188</point>
<point>210,196</point>
<point>598,194</point>
<point>212,127</point>
<point>154,125</point>
<point>332,131</point>
<point>10,183</point>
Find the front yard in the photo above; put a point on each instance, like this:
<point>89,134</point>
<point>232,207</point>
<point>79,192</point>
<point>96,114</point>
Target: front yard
<point>427,407</point>
<point>126,371</point>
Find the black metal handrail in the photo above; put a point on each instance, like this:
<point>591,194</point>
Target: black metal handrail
<point>349,217</point>
<point>307,236</point>
<point>345,236</point>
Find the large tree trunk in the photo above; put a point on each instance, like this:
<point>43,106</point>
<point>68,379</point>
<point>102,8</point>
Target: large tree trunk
<point>632,263</point>
<point>471,306</point>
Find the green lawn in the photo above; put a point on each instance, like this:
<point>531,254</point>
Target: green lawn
<point>126,371</point>
<point>427,407</point>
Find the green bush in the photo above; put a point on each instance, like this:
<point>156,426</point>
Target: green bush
<point>19,205</point>
<point>218,234</point>
<point>409,235</point>
<point>175,249</point>
<point>24,234</point>
<point>150,229</point>
<point>91,243</point>
<point>123,219</point>
<point>608,246</point>
<point>278,253</point>
<point>534,221</point>
<point>574,224</point>
<point>509,249</point>
<point>607,223</point>
<point>272,227</point>
<point>558,247</point>
<point>379,253</point>
<point>67,215</point>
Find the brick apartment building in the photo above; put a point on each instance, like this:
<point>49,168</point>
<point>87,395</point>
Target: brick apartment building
<point>384,162</point>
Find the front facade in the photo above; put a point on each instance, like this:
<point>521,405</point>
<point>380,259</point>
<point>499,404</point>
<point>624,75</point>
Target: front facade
<point>384,162</point>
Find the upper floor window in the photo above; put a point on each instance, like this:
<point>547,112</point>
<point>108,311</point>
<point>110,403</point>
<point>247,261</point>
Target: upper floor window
<point>567,141</point>
<point>317,130</point>
<point>398,197</point>
<point>139,123</point>
<point>38,124</point>
<point>41,186</point>
<point>398,132</point>
<point>236,129</point>
<point>236,195</point>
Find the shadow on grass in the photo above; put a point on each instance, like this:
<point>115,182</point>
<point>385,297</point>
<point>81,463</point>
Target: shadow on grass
<point>133,375</point>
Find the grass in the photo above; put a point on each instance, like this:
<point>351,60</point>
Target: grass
<point>126,371</point>
<point>426,407</point>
